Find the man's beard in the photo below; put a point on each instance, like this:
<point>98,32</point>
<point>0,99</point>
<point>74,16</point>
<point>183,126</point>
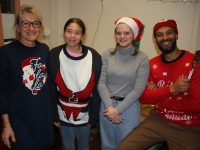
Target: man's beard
<point>169,49</point>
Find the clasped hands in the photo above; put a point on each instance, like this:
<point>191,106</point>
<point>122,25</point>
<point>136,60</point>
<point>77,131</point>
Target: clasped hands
<point>113,115</point>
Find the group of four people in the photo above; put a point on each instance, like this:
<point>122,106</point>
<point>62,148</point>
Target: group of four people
<point>73,87</point>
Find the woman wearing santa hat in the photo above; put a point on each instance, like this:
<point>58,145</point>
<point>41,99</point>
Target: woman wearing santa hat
<point>124,74</point>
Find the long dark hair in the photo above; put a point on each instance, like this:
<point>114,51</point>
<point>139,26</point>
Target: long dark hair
<point>79,22</point>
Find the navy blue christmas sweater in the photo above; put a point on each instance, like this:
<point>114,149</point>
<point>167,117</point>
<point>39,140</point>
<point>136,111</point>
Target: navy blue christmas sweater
<point>24,95</point>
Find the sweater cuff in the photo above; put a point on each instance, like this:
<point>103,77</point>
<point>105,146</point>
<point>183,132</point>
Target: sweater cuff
<point>119,110</point>
<point>92,122</point>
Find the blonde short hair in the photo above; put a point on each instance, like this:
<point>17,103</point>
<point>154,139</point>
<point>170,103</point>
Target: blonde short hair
<point>30,9</point>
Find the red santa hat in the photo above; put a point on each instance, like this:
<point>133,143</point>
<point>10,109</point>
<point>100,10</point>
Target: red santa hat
<point>165,22</point>
<point>136,26</point>
<point>27,61</point>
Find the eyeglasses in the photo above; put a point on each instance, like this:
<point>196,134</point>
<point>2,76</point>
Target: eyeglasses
<point>26,24</point>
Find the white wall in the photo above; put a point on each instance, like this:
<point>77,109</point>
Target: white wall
<point>197,47</point>
<point>186,16</point>
<point>45,7</point>
<point>56,12</point>
<point>61,15</point>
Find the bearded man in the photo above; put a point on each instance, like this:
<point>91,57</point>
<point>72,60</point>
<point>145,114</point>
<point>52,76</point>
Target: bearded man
<point>176,115</point>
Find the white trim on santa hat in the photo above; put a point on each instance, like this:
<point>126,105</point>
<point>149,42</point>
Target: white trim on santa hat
<point>131,23</point>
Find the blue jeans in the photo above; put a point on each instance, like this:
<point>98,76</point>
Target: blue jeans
<point>68,135</point>
<point>113,134</point>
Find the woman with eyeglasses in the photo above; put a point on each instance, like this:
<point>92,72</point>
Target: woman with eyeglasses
<point>25,105</point>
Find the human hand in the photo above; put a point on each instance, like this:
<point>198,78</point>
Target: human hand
<point>181,85</point>
<point>57,124</point>
<point>88,125</point>
<point>111,112</point>
<point>117,120</point>
<point>7,133</point>
<point>151,85</point>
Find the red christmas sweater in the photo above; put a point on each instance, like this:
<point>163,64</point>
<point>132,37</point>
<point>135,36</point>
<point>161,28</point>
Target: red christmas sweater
<point>179,108</point>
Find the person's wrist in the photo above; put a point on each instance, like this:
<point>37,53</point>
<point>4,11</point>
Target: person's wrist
<point>110,107</point>
<point>117,111</point>
<point>7,127</point>
<point>6,124</point>
<point>171,89</point>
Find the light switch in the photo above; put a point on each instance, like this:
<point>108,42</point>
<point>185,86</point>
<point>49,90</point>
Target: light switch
<point>47,32</point>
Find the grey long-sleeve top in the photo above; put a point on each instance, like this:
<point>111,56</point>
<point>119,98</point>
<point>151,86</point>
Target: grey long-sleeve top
<point>123,75</point>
